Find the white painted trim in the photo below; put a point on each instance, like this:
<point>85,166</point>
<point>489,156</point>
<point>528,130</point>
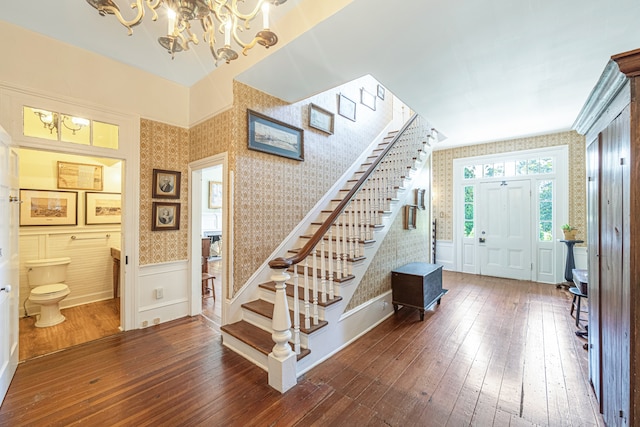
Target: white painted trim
<point>581,257</point>
<point>262,274</point>
<point>13,98</point>
<point>195,205</point>
<point>561,203</point>
<point>445,254</point>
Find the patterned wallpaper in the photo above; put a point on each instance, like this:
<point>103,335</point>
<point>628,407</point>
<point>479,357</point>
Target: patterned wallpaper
<point>399,247</point>
<point>166,147</point>
<point>272,194</point>
<point>443,175</point>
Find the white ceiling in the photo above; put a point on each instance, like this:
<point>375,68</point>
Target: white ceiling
<point>480,70</point>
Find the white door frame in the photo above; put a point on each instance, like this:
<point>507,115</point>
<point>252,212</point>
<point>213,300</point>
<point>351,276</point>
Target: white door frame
<point>12,99</point>
<point>560,212</point>
<point>9,279</point>
<point>195,222</point>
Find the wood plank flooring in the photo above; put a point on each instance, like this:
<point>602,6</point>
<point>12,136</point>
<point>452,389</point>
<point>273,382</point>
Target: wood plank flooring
<point>83,323</point>
<point>495,352</point>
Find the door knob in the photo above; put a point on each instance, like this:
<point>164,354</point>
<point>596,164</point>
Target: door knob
<point>6,288</point>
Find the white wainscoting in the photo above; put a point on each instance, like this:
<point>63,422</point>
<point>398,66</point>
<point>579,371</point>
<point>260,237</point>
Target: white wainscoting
<point>445,254</point>
<point>173,279</point>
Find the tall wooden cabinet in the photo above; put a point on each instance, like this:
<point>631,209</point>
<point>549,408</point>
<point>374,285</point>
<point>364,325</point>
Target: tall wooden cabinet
<point>610,120</point>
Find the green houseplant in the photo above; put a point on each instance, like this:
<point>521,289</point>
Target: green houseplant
<point>569,232</point>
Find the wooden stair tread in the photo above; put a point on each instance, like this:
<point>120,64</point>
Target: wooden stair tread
<point>255,337</point>
<point>349,259</point>
<point>290,291</point>
<point>265,308</point>
<point>308,236</point>
<point>319,274</point>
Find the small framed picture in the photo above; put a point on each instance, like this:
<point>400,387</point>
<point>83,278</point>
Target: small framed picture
<point>410,217</point>
<point>103,208</point>
<point>79,176</point>
<point>381,92</point>
<point>42,207</point>
<point>346,107</point>
<point>274,137</point>
<point>165,216</point>
<point>166,184</point>
<point>420,192</point>
<point>321,119</point>
<point>215,194</point>
<point>367,99</point>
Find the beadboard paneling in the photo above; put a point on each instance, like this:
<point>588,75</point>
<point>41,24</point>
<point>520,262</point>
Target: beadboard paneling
<point>89,275</point>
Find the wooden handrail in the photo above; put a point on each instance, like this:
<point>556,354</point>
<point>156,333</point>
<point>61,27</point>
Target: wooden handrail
<point>284,263</point>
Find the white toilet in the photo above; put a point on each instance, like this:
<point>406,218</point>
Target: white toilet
<point>46,280</point>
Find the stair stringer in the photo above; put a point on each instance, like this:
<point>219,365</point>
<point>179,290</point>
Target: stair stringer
<point>345,327</point>
<point>249,291</point>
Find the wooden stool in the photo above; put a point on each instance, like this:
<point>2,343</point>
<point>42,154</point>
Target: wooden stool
<point>206,280</point>
<point>577,295</point>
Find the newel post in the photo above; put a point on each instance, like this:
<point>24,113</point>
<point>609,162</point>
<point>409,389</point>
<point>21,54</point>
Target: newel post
<point>282,360</point>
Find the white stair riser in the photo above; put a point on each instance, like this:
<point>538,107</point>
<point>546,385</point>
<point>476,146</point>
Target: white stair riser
<point>246,351</point>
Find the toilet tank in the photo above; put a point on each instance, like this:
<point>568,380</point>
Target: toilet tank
<point>47,271</point>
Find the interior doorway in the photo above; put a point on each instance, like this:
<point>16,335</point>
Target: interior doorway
<point>92,242</point>
<point>209,239</point>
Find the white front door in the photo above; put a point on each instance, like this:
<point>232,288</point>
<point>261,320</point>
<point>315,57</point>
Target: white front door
<point>9,285</point>
<point>504,225</point>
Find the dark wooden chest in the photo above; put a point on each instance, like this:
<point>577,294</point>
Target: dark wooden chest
<point>417,285</point>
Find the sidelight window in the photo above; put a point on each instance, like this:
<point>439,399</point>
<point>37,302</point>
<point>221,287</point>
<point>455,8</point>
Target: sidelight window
<point>469,214</point>
<point>545,211</point>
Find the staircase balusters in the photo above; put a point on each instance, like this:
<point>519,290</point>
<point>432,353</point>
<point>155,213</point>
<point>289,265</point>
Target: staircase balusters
<point>307,314</point>
<point>345,234</point>
<point>323,272</point>
<point>296,312</point>
<point>338,246</point>
<point>330,259</point>
<point>315,286</point>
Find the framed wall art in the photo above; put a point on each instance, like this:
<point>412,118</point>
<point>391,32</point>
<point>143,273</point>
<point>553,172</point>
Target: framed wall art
<point>215,194</point>
<point>274,137</point>
<point>165,216</point>
<point>420,192</point>
<point>79,176</point>
<point>166,184</point>
<point>367,99</point>
<point>346,107</point>
<point>43,207</point>
<point>103,208</point>
<point>321,119</point>
<point>381,92</point>
<point>410,212</point>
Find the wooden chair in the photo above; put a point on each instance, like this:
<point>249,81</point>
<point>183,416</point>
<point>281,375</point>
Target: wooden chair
<point>207,279</point>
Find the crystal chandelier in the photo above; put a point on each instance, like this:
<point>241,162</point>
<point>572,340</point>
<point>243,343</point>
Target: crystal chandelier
<point>217,17</point>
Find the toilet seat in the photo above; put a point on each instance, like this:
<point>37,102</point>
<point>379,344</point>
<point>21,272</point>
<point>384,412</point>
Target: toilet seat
<point>48,290</point>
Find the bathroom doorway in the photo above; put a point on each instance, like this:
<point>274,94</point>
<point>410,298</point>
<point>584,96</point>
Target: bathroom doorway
<point>90,235</point>
<point>209,242</point>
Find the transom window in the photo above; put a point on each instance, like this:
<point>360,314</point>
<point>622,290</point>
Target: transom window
<point>531,166</point>
<point>56,126</point>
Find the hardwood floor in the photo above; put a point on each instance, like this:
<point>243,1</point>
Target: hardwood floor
<point>495,352</point>
<point>83,323</point>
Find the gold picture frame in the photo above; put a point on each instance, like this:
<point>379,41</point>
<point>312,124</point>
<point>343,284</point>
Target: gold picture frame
<point>45,207</point>
<point>410,213</point>
<point>80,176</point>
<point>321,119</point>
<point>102,208</point>
<point>215,194</point>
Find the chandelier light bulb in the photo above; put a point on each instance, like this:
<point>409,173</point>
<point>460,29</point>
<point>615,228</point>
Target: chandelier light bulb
<point>215,16</point>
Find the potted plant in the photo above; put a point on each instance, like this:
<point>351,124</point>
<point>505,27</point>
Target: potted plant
<point>569,232</point>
